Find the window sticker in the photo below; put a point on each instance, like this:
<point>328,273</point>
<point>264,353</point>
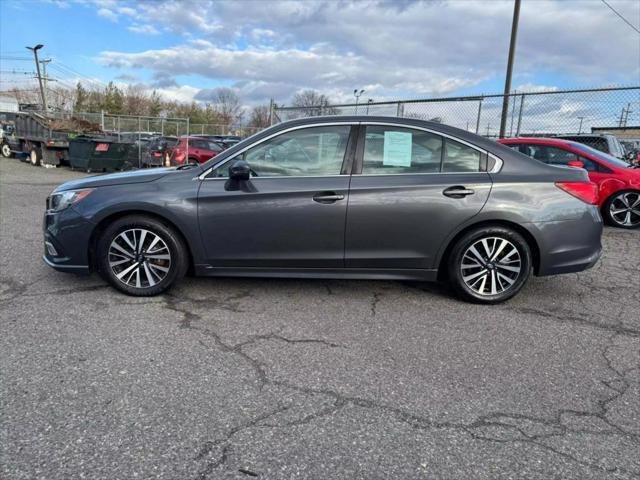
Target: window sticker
<point>397,149</point>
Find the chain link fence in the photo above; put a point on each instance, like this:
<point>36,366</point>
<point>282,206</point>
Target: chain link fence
<point>139,129</point>
<point>175,127</point>
<point>534,113</point>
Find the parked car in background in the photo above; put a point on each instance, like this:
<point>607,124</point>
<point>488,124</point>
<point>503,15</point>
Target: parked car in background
<point>231,140</point>
<point>214,138</point>
<point>604,142</point>
<point>158,151</point>
<point>334,197</point>
<point>618,182</point>
<point>632,151</point>
<point>194,150</point>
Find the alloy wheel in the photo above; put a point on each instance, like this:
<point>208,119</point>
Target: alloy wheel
<point>625,209</point>
<point>139,258</point>
<point>491,266</point>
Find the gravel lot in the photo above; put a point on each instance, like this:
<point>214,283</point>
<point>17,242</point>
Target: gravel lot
<point>280,379</point>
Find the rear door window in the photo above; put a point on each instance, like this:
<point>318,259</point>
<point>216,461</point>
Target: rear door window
<point>393,150</point>
<point>459,157</point>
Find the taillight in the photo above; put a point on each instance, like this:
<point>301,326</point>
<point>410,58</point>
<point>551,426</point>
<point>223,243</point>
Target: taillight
<point>585,191</point>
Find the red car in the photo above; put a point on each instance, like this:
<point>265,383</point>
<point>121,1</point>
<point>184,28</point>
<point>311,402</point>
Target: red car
<point>618,182</point>
<point>199,150</point>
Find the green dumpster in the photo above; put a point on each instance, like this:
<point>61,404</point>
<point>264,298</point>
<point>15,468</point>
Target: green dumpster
<point>95,154</point>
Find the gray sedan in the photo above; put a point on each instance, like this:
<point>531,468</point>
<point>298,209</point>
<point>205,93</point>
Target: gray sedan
<point>334,197</point>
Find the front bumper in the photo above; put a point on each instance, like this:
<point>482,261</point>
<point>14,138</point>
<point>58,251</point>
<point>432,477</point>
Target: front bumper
<point>66,241</point>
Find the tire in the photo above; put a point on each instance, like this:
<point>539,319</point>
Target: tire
<point>117,260</point>
<point>500,281</point>
<point>627,204</point>
<point>6,150</point>
<point>35,156</point>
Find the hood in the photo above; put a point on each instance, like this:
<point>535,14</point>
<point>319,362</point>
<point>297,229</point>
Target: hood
<point>122,178</point>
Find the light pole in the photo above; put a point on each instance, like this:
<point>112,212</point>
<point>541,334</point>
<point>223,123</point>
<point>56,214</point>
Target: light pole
<point>35,54</point>
<point>507,82</point>
<point>357,93</point>
<point>369,102</point>
<point>580,127</point>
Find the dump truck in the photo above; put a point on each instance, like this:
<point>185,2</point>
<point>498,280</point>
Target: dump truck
<point>45,138</point>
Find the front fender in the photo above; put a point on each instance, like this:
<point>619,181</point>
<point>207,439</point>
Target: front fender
<point>174,202</point>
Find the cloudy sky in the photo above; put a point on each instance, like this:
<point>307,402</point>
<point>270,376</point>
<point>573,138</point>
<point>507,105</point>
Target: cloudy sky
<point>271,49</point>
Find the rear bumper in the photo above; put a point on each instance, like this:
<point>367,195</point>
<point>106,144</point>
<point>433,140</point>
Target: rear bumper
<point>568,246</point>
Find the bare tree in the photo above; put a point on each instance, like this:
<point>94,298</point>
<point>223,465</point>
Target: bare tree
<point>259,116</point>
<point>227,105</point>
<point>136,100</point>
<point>313,103</point>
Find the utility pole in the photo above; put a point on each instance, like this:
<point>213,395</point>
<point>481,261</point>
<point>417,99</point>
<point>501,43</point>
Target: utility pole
<point>512,52</point>
<point>621,117</point>
<point>626,115</point>
<point>580,127</point>
<point>35,54</point>
<point>45,77</point>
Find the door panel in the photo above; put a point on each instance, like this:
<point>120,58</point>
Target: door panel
<point>274,223</point>
<point>291,212</point>
<point>404,207</point>
<point>401,221</point>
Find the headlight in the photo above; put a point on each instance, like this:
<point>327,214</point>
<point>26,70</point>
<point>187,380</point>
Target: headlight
<point>59,201</point>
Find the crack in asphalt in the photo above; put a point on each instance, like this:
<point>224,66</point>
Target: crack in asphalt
<point>505,421</point>
<point>564,318</point>
<point>18,289</point>
<point>374,303</point>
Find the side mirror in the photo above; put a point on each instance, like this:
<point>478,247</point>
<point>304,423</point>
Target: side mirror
<point>240,170</point>
<point>575,163</point>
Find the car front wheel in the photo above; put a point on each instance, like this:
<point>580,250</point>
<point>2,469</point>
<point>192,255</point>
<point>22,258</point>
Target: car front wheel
<point>489,265</point>
<point>141,256</point>
<point>623,209</point>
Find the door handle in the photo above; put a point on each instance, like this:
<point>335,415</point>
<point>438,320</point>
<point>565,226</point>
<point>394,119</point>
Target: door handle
<point>327,197</point>
<point>458,192</point>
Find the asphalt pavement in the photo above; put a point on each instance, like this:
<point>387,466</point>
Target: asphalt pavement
<point>303,379</point>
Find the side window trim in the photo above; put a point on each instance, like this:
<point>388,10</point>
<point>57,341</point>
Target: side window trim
<point>435,132</point>
<point>205,175</point>
<point>357,170</point>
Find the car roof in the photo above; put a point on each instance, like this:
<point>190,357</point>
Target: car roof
<point>514,163</point>
<point>540,140</point>
<point>587,135</point>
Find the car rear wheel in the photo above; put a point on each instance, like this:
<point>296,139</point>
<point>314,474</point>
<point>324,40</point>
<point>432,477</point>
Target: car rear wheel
<point>141,256</point>
<point>623,209</point>
<point>489,265</point>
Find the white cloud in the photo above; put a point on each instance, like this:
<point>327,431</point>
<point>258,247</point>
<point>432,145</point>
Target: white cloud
<point>108,14</point>
<point>391,48</point>
<point>127,11</point>
<point>145,29</point>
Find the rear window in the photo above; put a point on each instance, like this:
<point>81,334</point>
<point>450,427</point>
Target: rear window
<point>599,143</point>
<point>213,146</point>
<point>605,157</point>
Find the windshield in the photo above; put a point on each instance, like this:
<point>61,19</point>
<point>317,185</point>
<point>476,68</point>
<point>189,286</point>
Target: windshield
<point>605,157</point>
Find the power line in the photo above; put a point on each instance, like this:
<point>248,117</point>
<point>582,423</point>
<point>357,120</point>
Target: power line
<point>11,57</point>
<point>620,15</point>
<point>67,68</point>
